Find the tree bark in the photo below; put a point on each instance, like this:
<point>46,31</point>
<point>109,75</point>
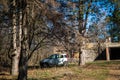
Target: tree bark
<point>15,55</point>
<point>23,63</point>
<point>82,58</point>
<point>15,62</point>
<point>79,57</point>
<point>23,66</point>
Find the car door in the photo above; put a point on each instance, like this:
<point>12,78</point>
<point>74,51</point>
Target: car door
<point>53,60</point>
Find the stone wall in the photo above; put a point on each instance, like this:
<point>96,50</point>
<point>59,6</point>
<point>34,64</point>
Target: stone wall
<point>89,55</point>
<point>90,52</point>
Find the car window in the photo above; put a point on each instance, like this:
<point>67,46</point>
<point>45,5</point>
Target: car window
<point>65,56</point>
<point>60,56</point>
<point>52,57</point>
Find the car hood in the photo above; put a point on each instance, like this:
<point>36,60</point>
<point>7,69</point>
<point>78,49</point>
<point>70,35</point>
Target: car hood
<point>45,60</point>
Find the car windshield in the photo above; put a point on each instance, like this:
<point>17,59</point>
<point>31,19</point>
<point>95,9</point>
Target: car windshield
<point>60,56</point>
<point>52,57</point>
<point>55,56</point>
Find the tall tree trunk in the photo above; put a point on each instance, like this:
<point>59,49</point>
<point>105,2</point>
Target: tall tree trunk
<point>23,63</point>
<point>23,66</point>
<point>99,48</point>
<point>82,27</point>
<point>82,58</point>
<point>15,55</point>
<point>79,56</point>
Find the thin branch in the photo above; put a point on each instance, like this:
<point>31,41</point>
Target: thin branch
<point>36,47</point>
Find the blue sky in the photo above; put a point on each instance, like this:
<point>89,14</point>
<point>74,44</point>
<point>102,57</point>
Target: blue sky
<point>101,7</point>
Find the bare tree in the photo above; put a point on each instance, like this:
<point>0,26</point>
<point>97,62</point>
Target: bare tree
<point>39,29</point>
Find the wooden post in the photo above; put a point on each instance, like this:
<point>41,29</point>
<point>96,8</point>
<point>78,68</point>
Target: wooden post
<point>107,54</point>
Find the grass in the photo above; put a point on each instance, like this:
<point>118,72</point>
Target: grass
<point>98,70</point>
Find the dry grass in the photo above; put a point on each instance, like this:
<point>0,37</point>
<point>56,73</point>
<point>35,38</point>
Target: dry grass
<point>99,70</point>
<point>66,73</point>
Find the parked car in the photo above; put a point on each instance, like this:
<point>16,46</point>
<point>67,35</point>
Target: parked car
<point>54,60</point>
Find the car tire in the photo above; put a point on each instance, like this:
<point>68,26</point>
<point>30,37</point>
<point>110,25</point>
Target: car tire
<point>65,63</point>
<point>45,65</point>
<point>41,65</point>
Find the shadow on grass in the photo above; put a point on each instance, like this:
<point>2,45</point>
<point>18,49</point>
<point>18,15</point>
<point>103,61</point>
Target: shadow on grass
<point>3,74</point>
<point>5,79</point>
<point>115,75</point>
<point>40,79</point>
<point>52,78</point>
<point>33,67</point>
<point>38,67</point>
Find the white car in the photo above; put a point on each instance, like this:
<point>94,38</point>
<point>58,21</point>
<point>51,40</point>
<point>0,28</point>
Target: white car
<point>54,60</point>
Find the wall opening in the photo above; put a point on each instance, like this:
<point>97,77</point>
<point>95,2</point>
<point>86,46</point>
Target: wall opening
<point>101,56</point>
<point>115,53</point>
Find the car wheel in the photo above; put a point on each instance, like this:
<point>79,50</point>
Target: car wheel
<point>45,65</point>
<point>65,63</point>
<point>41,65</point>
